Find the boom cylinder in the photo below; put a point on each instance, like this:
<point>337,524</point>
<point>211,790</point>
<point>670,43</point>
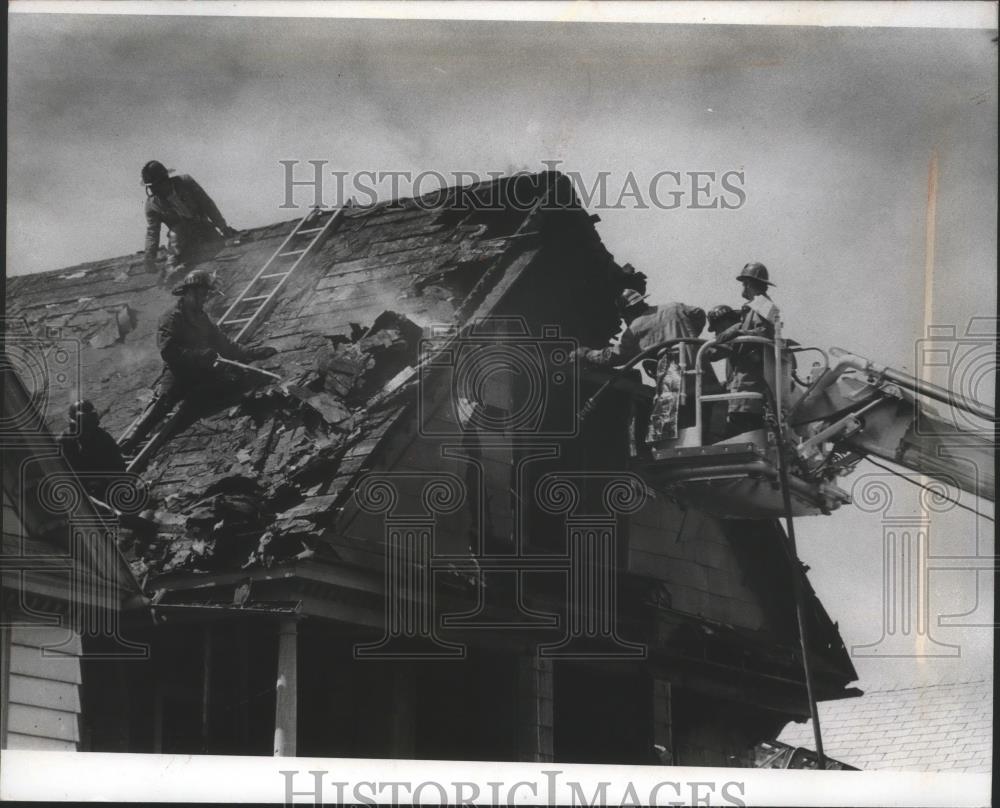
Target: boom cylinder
<point>845,360</point>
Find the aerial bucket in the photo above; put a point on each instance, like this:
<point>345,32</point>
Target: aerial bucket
<point>737,479</point>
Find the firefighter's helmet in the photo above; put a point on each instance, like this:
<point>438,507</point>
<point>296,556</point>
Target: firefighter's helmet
<point>630,298</point>
<point>82,412</point>
<point>154,172</point>
<point>755,272</point>
<point>195,279</point>
<point>721,317</point>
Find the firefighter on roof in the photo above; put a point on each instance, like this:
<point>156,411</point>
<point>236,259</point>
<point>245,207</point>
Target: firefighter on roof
<point>196,226</point>
<point>90,450</point>
<point>190,343</point>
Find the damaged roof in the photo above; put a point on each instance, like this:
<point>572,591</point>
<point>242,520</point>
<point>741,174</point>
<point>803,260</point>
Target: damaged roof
<point>270,466</point>
<point>259,480</point>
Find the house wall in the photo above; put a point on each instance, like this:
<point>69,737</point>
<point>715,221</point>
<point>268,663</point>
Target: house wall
<point>709,731</point>
<point>40,693</point>
<point>603,715</point>
<point>692,554</point>
<point>42,690</point>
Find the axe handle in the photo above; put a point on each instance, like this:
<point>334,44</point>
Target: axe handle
<point>232,363</point>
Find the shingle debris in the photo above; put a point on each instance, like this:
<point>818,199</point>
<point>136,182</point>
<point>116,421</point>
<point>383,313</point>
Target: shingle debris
<point>263,502</point>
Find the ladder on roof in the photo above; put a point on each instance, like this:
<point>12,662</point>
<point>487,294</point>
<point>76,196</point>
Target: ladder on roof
<point>248,311</point>
<point>260,295</point>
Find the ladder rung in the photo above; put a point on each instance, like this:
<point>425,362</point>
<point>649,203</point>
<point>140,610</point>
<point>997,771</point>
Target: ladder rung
<point>292,252</point>
<point>241,320</point>
<point>275,275</point>
<point>310,230</point>
<point>255,297</point>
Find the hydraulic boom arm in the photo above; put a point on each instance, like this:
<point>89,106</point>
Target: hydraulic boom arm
<point>858,408</point>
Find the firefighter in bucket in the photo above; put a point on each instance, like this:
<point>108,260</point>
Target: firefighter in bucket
<point>646,327</point>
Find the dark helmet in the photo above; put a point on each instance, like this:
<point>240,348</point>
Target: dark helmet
<point>630,298</point>
<point>194,279</point>
<point>754,272</point>
<point>721,317</point>
<point>83,411</point>
<point>154,172</point>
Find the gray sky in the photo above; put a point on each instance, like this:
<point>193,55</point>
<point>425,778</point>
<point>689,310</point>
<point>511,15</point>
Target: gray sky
<point>834,129</point>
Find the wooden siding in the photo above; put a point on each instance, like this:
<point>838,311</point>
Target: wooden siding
<point>42,696</point>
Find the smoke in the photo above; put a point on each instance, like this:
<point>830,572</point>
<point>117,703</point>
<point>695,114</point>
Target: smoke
<point>135,355</point>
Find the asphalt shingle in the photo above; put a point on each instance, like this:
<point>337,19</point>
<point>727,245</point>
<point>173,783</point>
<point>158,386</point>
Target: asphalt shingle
<point>942,727</point>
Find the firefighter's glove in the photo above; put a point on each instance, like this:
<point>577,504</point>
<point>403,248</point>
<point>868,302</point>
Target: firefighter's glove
<point>263,352</point>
